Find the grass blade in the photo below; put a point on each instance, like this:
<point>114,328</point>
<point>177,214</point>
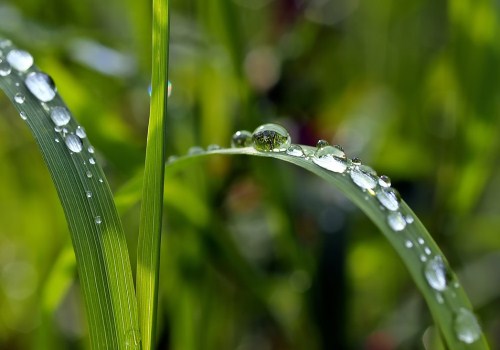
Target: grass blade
<point>446,306</point>
<point>148,254</point>
<point>96,231</point>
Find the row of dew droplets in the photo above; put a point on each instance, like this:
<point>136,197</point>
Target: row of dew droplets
<point>43,88</point>
<point>275,138</point>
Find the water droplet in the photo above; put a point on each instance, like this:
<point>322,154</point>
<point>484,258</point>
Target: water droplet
<point>322,143</point>
<point>439,298</point>
<point>88,194</point>
<point>423,258</point>
<point>5,68</point>
<point>172,159</point>
<point>384,181</point>
<point>420,241</point>
<point>330,162</point>
<point>89,174</point>
<point>169,89</point>
<point>335,151</point>
<point>195,150</point>
<point>389,198</point>
<point>396,221</point>
<point>56,140</point>
<point>295,150</point>
<point>19,98</point>
<point>91,150</point>
<point>409,244</point>
<point>74,143</point>
<point>80,132</point>
<point>435,273</point>
<point>271,138</point>
<point>466,326</point>
<point>23,115</point>
<point>98,220</point>
<point>41,85</point>
<point>101,180</point>
<point>427,251</point>
<point>364,177</point>
<point>60,116</point>
<point>4,43</point>
<point>409,219</point>
<point>356,161</point>
<point>20,60</point>
<point>92,161</point>
<point>241,138</point>
<point>213,147</point>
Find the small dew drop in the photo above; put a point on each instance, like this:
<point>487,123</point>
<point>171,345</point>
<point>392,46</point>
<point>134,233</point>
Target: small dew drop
<point>242,138</point>
<point>98,220</point>
<point>271,138</point>
<point>389,198</point>
<point>60,116</point>
<point>4,43</point>
<point>384,181</point>
<point>326,150</point>
<point>41,86</point>
<point>409,219</point>
<point>396,221</point>
<point>213,147</point>
<point>332,163</point>
<point>20,60</point>
<point>80,132</point>
<point>74,143</point>
<point>91,150</point>
<point>101,180</point>
<point>19,98</point>
<point>322,143</point>
<point>467,328</point>
<point>23,115</point>
<point>435,273</point>
<point>92,161</point>
<point>195,150</point>
<point>295,151</point>
<point>423,258</point>
<point>363,177</point>
<point>427,251</point>
<point>420,241</point>
<point>5,68</point>
<point>89,174</point>
<point>88,194</point>
<point>356,161</point>
<point>409,244</point>
<point>439,298</point>
<point>56,140</point>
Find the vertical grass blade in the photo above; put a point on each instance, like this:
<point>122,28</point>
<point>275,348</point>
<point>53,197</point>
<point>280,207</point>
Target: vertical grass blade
<point>148,255</point>
<point>97,235</point>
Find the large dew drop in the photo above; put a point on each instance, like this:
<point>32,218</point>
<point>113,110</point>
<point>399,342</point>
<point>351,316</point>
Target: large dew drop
<point>396,221</point>
<point>41,85</point>
<point>467,329</point>
<point>74,143</point>
<point>389,198</point>
<point>60,116</point>
<point>271,138</point>
<point>20,60</point>
<point>435,273</point>
<point>330,157</point>
<point>242,138</point>
<point>364,176</point>
<point>5,68</point>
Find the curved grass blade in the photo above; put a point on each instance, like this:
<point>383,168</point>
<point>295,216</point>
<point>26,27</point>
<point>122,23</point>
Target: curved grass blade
<point>447,301</point>
<point>148,246</point>
<point>96,231</point>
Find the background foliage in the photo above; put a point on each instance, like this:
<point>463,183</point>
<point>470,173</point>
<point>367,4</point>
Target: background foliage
<point>259,255</point>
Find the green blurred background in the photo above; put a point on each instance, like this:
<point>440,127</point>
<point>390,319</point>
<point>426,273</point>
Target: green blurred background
<point>260,255</point>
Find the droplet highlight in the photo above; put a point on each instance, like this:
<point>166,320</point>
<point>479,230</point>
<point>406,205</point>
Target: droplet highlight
<point>74,143</point>
<point>396,221</point>
<point>271,138</point>
<point>60,116</point>
<point>80,132</point>
<point>364,177</point>
<point>19,98</point>
<point>41,86</point>
<point>241,138</point>
<point>467,328</point>
<point>435,273</point>
<point>20,60</point>
<point>98,220</point>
